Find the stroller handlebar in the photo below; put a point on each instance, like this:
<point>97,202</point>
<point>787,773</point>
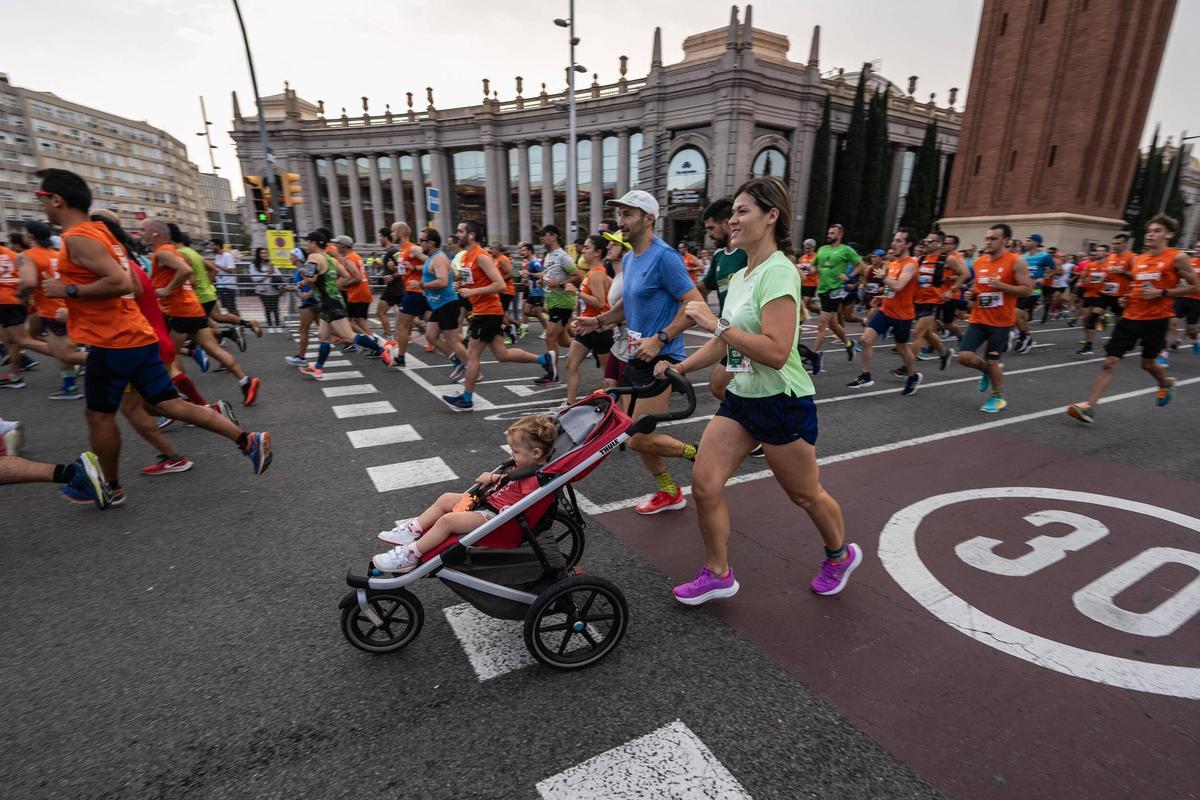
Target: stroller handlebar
<point>677,383</point>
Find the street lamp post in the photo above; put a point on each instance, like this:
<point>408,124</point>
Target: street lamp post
<point>268,159</point>
<point>572,146</point>
<point>213,162</point>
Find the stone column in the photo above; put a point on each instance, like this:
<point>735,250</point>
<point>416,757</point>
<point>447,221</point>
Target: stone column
<point>491,193</point>
<point>622,162</point>
<point>893,192</point>
<point>418,193</point>
<point>504,195</point>
<point>312,193</point>
<point>377,215</point>
<point>800,167</point>
<point>398,212</point>
<point>356,207</point>
<point>335,196</point>
<point>596,206</point>
<point>524,194</point>
<point>547,182</point>
<point>443,182</point>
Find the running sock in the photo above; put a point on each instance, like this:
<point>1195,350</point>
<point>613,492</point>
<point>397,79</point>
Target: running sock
<point>665,484</point>
<point>689,452</point>
<point>467,396</point>
<point>245,381</point>
<point>243,437</point>
<point>64,473</point>
<point>833,555</point>
<point>805,352</point>
<point>323,353</point>
<point>68,379</point>
<point>188,390</point>
<point>369,342</point>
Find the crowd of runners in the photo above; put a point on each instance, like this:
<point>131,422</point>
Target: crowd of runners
<point>126,313</point>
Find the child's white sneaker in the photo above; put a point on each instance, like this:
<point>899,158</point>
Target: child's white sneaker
<point>399,559</point>
<point>405,532</point>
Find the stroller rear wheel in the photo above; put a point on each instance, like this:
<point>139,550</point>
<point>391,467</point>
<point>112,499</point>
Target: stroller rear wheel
<point>576,622</point>
<point>568,535</point>
<point>399,613</point>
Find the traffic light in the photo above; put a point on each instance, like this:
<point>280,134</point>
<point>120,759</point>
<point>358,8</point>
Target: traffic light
<point>292,190</point>
<point>260,198</point>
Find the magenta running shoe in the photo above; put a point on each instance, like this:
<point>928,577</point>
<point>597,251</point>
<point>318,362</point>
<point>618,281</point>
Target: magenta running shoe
<point>706,586</point>
<point>833,576</point>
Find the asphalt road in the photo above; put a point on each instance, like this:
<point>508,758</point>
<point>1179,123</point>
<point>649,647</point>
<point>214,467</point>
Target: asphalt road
<point>187,644</point>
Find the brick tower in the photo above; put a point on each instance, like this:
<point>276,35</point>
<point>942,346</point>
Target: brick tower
<point>1058,101</point>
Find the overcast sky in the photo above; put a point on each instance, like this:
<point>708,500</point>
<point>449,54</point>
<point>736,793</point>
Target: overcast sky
<point>152,59</point>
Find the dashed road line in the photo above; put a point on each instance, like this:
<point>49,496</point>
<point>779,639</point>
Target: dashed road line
<point>363,409</point>
<point>407,474</point>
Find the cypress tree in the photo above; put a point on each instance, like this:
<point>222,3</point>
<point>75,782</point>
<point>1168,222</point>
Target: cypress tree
<point>851,163</point>
<point>870,221</point>
<point>1149,191</point>
<point>816,215</point>
<point>1176,205</point>
<point>921,201</point>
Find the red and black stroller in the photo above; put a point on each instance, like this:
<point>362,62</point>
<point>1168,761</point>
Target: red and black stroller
<point>522,564</point>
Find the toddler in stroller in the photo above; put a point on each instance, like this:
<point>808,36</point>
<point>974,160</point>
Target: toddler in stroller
<point>530,440</point>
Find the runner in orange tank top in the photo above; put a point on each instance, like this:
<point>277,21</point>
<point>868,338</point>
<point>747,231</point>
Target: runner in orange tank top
<point>38,263</point>
<point>356,289</point>
<point>95,279</point>
<point>1158,276</point>
<point>1001,277</point>
<point>895,311</point>
<point>481,284</point>
<point>938,275</point>
<point>185,316</point>
<point>1092,277</point>
<point>808,275</point>
<point>593,292</point>
<point>406,292</point>
<point>13,314</point>
<point>1187,309</point>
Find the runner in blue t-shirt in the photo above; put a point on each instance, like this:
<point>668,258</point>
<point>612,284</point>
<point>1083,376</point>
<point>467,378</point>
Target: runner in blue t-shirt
<point>535,298</point>
<point>656,289</point>
<point>1040,264</point>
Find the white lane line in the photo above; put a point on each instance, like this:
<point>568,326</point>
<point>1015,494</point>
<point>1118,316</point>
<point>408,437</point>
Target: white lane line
<point>407,474</point>
<point>437,390</point>
<point>340,376</point>
<point>347,391</point>
<point>363,409</point>
<point>671,762</point>
<point>588,507</point>
<point>390,434</point>
<point>335,364</point>
<point>493,646</point>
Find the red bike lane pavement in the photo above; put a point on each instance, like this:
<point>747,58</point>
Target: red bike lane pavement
<point>1032,635</point>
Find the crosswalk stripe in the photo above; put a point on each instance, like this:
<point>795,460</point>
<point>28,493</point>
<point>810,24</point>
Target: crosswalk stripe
<point>493,646</point>
<point>341,376</point>
<point>363,409</point>
<point>390,434</point>
<point>346,391</point>
<point>407,474</point>
<point>669,762</point>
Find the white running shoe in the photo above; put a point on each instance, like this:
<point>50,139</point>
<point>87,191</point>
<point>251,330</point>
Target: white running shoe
<point>406,532</point>
<point>404,558</point>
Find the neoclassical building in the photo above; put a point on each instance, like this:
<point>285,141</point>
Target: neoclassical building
<point>735,106</point>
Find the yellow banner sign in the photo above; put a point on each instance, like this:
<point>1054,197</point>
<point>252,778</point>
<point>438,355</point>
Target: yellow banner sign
<point>279,246</point>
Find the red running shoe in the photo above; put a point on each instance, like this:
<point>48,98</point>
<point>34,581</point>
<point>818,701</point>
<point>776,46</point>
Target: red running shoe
<point>250,392</point>
<point>661,501</point>
<point>167,465</point>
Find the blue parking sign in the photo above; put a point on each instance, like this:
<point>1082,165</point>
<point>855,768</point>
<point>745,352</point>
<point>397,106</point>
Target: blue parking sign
<point>433,200</point>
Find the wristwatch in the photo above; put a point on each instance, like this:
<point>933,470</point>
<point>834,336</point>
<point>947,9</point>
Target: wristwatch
<point>72,290</point>
<point>722,326</point>
<point>663,337</point>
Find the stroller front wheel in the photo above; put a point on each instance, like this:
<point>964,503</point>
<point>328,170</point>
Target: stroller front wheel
<point>576,622</point>
<point>399,613</point>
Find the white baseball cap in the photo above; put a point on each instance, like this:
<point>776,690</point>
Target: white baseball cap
<point>636,198</point>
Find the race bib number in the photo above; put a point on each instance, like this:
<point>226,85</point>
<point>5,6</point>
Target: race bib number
<point>924,280</point>
<point>837,294</point>
<point>1095,277</point>
<point>990,299</point>
<point>736,362</point>
<point>873,288</point>
<point>467,277</point>
<point>1112,287</point>
<point>1147,276</point>
<point>635,340</point>
<point>889,292</point>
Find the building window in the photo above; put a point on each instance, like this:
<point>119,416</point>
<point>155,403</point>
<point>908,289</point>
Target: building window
<point>583,181</point>
<point>470,177</point>
<point>635,150</point>
<point>1053,154</point>
<point>1004,23</point>
<point>687,177</point>
<point>1012,160</point>
<point>978,159</point>
<point>1042,16</point>
<point>770,162</point>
